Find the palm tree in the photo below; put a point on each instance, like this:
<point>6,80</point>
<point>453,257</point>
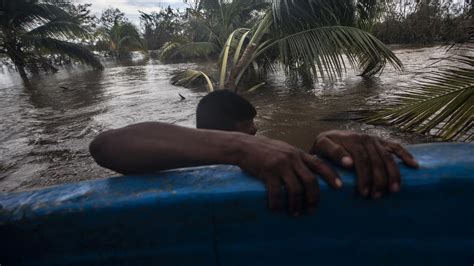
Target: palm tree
<point>31,29</point>
<point>124,38</point>
<point>306,38</point>
<point>211,22</point>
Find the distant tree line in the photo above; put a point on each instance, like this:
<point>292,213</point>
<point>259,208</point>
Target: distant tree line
<point>425,22</point>
<point>40,35</point>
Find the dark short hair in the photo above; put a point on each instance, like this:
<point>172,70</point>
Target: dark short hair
<point>221,109</point>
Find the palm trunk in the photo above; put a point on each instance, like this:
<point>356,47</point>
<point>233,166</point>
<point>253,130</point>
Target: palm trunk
<point>17,58</point>
<point>20,67</point>
<point>22,72</point>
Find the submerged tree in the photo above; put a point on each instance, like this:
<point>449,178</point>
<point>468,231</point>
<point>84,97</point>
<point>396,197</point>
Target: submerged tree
<point>308,39</point>
<point>32,30</point>
<point>124,38</point>
<point>116,35</point>
<point>209,23</point>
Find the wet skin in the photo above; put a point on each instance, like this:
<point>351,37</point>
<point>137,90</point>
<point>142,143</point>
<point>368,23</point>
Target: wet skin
<point>371,157</point>
<point>153,146</point>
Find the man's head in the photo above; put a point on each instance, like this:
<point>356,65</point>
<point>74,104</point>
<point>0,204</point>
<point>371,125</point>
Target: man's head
<point>225,110</point>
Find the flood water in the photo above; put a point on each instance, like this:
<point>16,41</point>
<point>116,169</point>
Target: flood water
<point>47,125</point>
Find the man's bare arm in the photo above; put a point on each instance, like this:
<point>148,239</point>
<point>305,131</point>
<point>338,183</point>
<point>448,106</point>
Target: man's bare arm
<point>153,146</point>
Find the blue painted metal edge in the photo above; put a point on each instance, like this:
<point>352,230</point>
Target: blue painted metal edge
<point>195,216</point>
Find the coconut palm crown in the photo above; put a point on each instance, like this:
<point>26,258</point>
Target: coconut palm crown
<point>32,29</point>
<point>124,38</point>
<point>308,39</point>
<point>211,22</point>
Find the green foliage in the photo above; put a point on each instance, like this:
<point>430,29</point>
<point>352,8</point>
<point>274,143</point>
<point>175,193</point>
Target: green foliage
<point>221,18</point>
<point>308,39</point>
<point>124,38</point>
<point>111,17</point>
<point>116,35</point>
<point>184,51</point>
<point>161,27</point>
<point>33,30</point>
<point>441,104</point>
<point>208,24</point>
<point>47,45</point>
<point>425,21</point>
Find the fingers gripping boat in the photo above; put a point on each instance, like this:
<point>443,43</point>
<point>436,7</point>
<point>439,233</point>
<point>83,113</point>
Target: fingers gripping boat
<point>218,216</point>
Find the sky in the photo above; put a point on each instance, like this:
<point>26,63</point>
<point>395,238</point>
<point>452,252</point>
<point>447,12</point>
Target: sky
<point>131,7</point>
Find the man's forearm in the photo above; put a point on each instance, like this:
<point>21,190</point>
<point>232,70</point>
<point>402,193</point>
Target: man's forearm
<point>153,146</point>
<point>150,147</point>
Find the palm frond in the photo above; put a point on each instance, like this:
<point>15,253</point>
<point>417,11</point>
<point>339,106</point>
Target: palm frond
<point>130,43</point>
<point>191,78</point>
<point>75,51</point>
<point>124,38</point>
<point>65,29</point>
<point>441,104</point>
<point>224,60</point>
<point>322,49</point>
<point>256,87</point>
<point>309,46</point>
<point>28,15</point>
<point>168,50</point>
<point>120,30</point>
<point>185,51</point>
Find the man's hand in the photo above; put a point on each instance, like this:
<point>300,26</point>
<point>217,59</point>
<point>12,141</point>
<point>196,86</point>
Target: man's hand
<point>371,157</point>
<point>152,146</point>
<point>277,163</point>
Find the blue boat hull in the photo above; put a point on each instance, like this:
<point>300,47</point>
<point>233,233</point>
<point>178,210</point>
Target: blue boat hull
<point>218,216</point>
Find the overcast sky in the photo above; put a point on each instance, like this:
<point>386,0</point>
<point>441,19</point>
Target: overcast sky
<point>131,7</point>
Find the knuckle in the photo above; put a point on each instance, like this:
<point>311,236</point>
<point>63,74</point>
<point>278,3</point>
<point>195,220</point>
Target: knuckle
<point>276,161</point>
<point>320,141</point>
<point>339,150</point>
<point>317,163</point>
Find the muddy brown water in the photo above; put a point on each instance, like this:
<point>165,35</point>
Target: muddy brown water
<point>47,125</point>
